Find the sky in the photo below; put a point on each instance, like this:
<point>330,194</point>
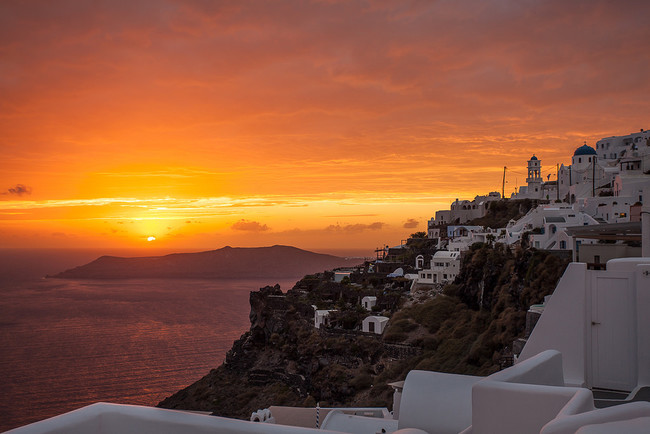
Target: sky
<point>320,124</point>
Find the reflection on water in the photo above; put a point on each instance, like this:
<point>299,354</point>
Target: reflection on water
<point>65,344</point>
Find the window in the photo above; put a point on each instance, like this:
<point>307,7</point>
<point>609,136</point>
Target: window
<point>444,276</point>
<point>563,245</point>
<point>579,160</point>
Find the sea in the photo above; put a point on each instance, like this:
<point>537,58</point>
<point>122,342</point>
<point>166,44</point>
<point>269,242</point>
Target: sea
<point>66,343</point>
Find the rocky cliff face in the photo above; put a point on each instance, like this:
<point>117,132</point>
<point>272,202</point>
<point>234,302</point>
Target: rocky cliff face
<point>465,329</point>
<point>283,360</point>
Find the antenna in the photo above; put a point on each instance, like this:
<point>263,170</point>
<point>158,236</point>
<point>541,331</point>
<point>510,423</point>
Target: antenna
<point>503,185</point>
<point>558,181</point>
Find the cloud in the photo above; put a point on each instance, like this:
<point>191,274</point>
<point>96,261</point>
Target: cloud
<point>356,228</point>
<point>251,226</point>
<point>410,224</point>
<point>19,190</point>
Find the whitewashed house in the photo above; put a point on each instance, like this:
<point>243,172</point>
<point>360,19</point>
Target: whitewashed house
<point>474,234</point>
<point>609,209</point>
<point>368,302</point>
<point>419,262</point>
<point>321,317</point>
<point>551,221</point>
<point>444,268</point>
<point>374,324</point>
<point>465,210</point>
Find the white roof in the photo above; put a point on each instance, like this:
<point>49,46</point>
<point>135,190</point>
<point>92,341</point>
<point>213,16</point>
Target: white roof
<point>446,254</point>
<point>375,318</point>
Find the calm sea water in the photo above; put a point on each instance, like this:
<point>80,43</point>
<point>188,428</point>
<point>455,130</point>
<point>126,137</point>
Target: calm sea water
<point>68,343</point>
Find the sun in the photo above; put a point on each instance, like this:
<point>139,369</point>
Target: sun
<point>151,239</point>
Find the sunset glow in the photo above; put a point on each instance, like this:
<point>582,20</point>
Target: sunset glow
<point>316,124</point>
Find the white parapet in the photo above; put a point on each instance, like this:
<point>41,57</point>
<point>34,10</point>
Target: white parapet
<point>113,419</point>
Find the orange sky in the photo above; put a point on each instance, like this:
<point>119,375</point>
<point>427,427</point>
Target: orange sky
<point>320,124</point>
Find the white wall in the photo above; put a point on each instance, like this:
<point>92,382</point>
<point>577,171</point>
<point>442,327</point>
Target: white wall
<point>368,302</point>
<point>562,326</point>
<point>380,323</point>
<point>567,323</point>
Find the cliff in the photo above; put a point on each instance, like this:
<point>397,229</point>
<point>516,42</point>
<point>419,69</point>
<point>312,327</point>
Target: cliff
<point>227,262</point>
<point>283,360</point>
<point>467,328</point>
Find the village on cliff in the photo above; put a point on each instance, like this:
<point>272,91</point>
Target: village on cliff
<point>590,213</point>
<point>592,210</point>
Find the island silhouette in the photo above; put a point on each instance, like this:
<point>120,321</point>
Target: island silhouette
<point>227,262</point>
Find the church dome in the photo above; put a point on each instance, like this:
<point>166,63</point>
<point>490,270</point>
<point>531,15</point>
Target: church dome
<point>585,150</point>
<point>533,158</point>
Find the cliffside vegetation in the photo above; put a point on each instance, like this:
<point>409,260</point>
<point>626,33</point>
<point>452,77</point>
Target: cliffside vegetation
<point>470,326</point>
<point>465,327</point>
<point>500,212</point>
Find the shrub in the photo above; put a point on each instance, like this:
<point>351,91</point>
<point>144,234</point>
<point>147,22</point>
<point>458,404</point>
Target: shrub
<point>361,381</point>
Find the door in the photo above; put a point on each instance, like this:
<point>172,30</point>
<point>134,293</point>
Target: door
<point>613,333</point>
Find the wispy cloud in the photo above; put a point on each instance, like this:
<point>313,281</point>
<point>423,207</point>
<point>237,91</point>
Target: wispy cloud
<point>249,226</point>
<point>356,228</point>
<point>18,190</point>
<point>410,224</point>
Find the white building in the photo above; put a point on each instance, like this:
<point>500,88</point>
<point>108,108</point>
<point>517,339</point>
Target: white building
<point>321,317</point>
<point>551,221</point>
<point>464,236</point>
<point>463,211</point>
<point>618,165</point>
<point>607,209</point>
<point>444,268</point>
<point>374,324</point>
<point>616,147</point>
<point>368,302</point>
<point>535,187</point>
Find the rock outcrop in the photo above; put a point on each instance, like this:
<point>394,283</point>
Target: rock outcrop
<point>284,360</point>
